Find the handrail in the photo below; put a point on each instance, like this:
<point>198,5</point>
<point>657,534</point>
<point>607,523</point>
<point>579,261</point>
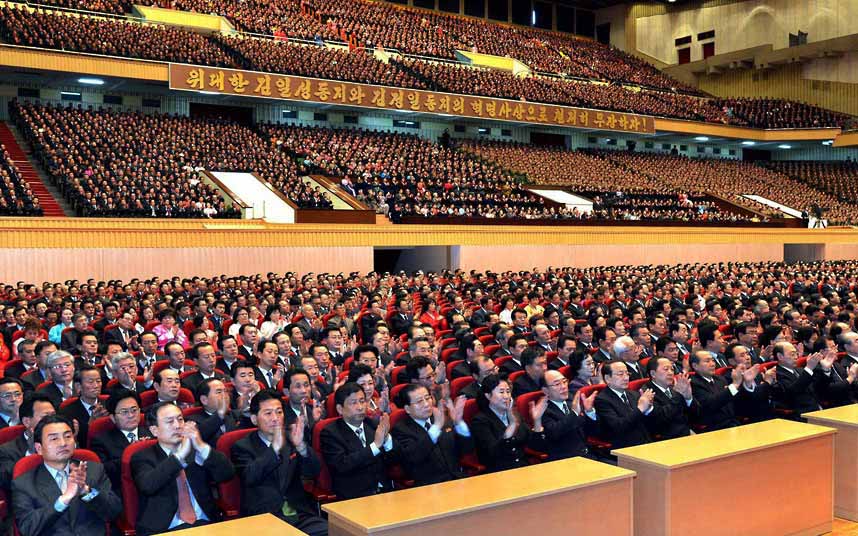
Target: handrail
<point>233,197</point>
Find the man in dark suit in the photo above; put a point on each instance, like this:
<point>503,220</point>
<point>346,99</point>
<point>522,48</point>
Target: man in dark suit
<point>111,313</point>
<point>482,367</point>
<point>33,378</point>
<point>124,368</point>
<point>123,406</point>
<point>629,352</point>
<point>149,352</point>
<point>88,384</point>
<point>205,359</point>
<point>27,355</point>
<point>61,365</point>
<point>480,316</point>
<point>267,370</point>
<point>354,449</point>
<point>216,418</point>
<point>229,354</point>
<point>249,341</point>
<point>535,365</point>
<point>622,413</point>
<point>755,404</point>
<point>795,389</point>
<point>173,477</point>
<point>20,315</point>
<point>841,388</point>
<point>566,423</point>
<point>69,340</point>
<point>271,463</point>
<point>673,405</point>
<point>714,393</point>
<point>517,345</point>
<point>402,319</point>
<point>62,496</point>
<point>11,397</point>
<point>369,320</point>
<point>32,411</point>
<point>123,334</point>
<point>429,450</point>
<point>298,388</point>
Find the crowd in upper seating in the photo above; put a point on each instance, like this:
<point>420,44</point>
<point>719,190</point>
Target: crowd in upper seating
<point>627,171</point>
<point>414,176</point>
<point>780,113</point>
<point>16,197</point>
<point>838,178</point>
<point>19,26</point>
<point>362,384</point>
<point>105,167</point>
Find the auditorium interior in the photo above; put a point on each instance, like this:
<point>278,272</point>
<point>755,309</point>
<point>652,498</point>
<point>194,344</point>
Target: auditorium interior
<point>386,267</point>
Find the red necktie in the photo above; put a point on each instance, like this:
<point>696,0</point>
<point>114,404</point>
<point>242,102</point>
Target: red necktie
<point>186,509</point>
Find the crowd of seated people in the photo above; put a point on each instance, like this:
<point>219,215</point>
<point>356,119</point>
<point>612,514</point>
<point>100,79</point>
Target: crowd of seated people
<point>105,168</point>
<point>779,113</point>
<point>145,41</point>
<point>628,171</point>
<point>19,26</point>
<point>651,204</point>
<point>16,197</point>
<point>417,177</point>
<point>318,62</point>
<point>838,178</point>
<point>439,375</point>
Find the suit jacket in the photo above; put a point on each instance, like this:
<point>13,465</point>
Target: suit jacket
<point>756,406</point>
<point>109,446</point>
<point>497,453</point>
<point>480,317</point>
<point>246,354</point>
<point>115,336</point>
<point>565,435</point>
<point>141,360</point>
<point>355,472</point>
<point>508,367</point>
<point>834,390</point>
<point>461,370</point>
<point>472,390</point>
<point>53,392</point>
<point>263,377</point>
<point>601,357</point>
<point>670,416</point>
<point>291,417</point>
<point>15,370</point>
<point>635,374</point>
<point>69,340</point>
<point>139,388</point>
<point>427,462</point>
<point>212,426</point>
<point>622,424</point>
<point>155,476</point>
<point>399,325</point>
<point>35,492</point>
<point>269,478</point>
<point>367,325</point>
<point>10,453</point>
<point>220,364</point>
<point>716,402</point>
<point>795,390</point>
<point>524,384</point>
<point>76,410</point>
<point>33,380</point>
<point>192,381</point>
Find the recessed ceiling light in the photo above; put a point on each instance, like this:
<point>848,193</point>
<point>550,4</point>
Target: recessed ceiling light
<point>91,81</point>
<point>784,146</point>
<point>749,143</point>
<point>828,142</point>
<point>208,93</point>
<point>701,138</point>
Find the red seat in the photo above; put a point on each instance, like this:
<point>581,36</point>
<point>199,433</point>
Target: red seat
<point>230,491</point>
<point>11,432</point>
<point>550,356</point>
<point>458,384</point>
<point>566,371</point>
<point>451,365</point>
<point>130,501</point>
<point>635,385</point>
<point>447,352</point>
<point>395,373</point>
<point>491,349</point>
<point>331,406</point>
<point>148,398</point>
<point>396,389</point>
<point>515,375</point>
<point>593,441</point>
<point>481,331</point>
<point>502,359</point>
<point>12,363</point>
<point>348,363</point>
<point>321,489</point>
<point>194,410</point>
<point>486,339</point>
<point>395,471</point>
<point>469,461</point>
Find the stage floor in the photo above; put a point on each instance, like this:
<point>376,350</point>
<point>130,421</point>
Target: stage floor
<point>843,527</point>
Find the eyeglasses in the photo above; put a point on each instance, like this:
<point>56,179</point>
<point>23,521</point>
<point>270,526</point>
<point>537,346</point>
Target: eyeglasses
<point>128,412</point>
<point>559,383</point>
<point>63,365</point>
<point>12,394</point>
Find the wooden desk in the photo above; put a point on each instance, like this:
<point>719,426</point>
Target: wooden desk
<point>563,497</point>
<point>845,420</point>
<point>261,525</point>
<point>770,478</point>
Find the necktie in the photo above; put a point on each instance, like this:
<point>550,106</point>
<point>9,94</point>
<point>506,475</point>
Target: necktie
<point>359,433</point>
<point>625,399</point>
<point>62,481</point>
<point>427,425</point>
<point>668,393</point>
<point>132,437</point>
<point>186,509</point>
<point>270,379</point>
<point>565,408</point>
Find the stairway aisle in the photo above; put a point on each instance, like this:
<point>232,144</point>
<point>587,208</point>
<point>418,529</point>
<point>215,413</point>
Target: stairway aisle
<point>50,207</point>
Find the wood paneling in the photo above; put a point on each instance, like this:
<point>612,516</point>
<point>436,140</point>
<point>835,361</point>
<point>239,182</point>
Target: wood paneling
<point>78,63</point>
